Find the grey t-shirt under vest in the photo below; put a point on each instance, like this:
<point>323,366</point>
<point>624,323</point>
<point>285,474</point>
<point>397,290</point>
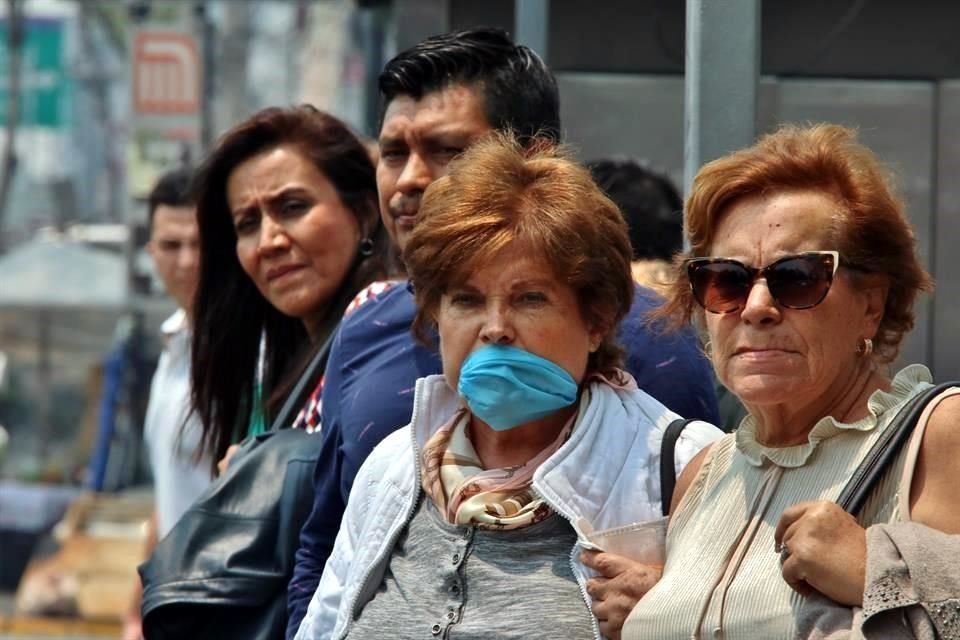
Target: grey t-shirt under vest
<point>464,583</point>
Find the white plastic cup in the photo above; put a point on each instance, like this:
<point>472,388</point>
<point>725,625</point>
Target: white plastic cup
<point>644,542</point>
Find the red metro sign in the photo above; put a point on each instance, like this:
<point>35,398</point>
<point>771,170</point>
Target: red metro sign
<point>166,73</point>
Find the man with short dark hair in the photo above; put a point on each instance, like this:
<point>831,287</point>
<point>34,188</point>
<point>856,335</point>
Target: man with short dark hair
<point>443,94</point>
<point>438,98</point>
<point>171,432</point>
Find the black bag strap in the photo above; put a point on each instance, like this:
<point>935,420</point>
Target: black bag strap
<point>668,471</point>
<point>885,449</point>
<point>308,380</point>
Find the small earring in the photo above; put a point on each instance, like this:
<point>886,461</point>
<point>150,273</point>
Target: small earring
<point>366,247</point>
<point>865,347</point>
<point>708,349</point>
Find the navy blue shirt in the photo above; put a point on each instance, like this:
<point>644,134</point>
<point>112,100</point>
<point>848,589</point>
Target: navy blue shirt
<point>368,394</point>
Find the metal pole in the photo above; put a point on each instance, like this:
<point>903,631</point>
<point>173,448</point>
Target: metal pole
<point>207,90</point>
<point>531,19</point>
<point>44,386</point>
<point>722,72</point>
<point>16,33</point>
<point>374,24</point>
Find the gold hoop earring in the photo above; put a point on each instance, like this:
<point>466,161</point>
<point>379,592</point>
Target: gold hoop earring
<point>865,347</point>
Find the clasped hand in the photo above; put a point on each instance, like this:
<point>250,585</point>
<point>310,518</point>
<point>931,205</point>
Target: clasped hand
<point>618,588</point>
<point>822,547</point>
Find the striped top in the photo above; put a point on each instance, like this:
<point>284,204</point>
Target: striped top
<point>722,575</point>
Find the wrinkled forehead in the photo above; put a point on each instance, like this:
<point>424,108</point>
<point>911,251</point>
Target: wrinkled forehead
<point>448,109</point>
<point>519,258</point>
<point>775,224</point>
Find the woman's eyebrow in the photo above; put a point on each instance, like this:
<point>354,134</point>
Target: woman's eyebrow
<point>242,210</point>
<point>542,283</point>
<point>287,191</point>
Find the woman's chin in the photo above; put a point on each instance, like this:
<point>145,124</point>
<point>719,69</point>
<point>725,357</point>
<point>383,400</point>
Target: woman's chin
<point>301,305</point>
<point>764,388</point>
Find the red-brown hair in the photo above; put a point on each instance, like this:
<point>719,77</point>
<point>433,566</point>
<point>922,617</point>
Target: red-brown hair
<point>871,229</point>
<point>501,192</point>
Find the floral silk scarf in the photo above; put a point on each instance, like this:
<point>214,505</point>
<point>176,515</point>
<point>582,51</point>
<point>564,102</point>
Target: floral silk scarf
<point>466,493</point>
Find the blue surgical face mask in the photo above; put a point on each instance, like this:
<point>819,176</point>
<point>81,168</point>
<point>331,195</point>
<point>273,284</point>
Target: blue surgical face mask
<point>507,387</point>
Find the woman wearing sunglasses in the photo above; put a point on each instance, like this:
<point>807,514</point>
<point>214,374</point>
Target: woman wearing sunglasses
<point>803,272</point>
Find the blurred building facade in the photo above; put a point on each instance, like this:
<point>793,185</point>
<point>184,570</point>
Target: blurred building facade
<point>892,69</point>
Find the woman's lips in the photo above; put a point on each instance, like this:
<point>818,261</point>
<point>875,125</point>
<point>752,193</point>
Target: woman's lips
<point>405,222</point>
<point>277,273</point>
<point>762,354</point>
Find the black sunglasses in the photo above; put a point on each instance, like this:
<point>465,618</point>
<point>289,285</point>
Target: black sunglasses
<point>800,281</point>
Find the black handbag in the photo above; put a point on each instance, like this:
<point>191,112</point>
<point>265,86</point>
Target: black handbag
<point>223,570</point>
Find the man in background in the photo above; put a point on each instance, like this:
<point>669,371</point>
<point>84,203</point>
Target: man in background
<point>171,431</point>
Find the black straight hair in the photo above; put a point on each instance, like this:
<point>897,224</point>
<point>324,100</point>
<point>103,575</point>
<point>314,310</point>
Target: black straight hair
<point>649,202</point>
<point>173,189</point>
<point>231,315</point>
<point>519,92</point>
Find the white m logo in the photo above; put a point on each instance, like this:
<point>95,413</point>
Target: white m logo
<point>166,73</point>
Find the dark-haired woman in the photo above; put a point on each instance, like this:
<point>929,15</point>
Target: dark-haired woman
<point>289,232</point>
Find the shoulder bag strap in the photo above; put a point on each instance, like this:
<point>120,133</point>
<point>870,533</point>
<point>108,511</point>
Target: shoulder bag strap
<point>668,472</point>
<point>305,385</point>
<point>885,449</point>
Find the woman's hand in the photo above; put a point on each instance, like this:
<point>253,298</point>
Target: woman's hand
<point>618,588</point>
<point>225,460</point>
<point>823,548</point>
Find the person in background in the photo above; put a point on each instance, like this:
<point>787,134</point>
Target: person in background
<point>465,523</point>
<point>803,268</point>
<point>172,433</point>
<point>653,211</point>
<point>438,98</point>
<point>289,233</point>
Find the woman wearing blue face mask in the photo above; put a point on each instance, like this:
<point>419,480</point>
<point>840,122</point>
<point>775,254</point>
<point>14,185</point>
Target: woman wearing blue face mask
<point>470,523</point>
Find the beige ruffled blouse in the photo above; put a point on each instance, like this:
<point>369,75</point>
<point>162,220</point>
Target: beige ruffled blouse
<point>722,575</point>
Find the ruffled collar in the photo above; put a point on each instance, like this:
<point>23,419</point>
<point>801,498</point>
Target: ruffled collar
<point>903,386</point>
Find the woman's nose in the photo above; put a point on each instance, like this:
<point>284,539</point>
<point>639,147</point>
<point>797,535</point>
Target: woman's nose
<point>497,328</point>
<point>760,306</point>
<point>273,237</point>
